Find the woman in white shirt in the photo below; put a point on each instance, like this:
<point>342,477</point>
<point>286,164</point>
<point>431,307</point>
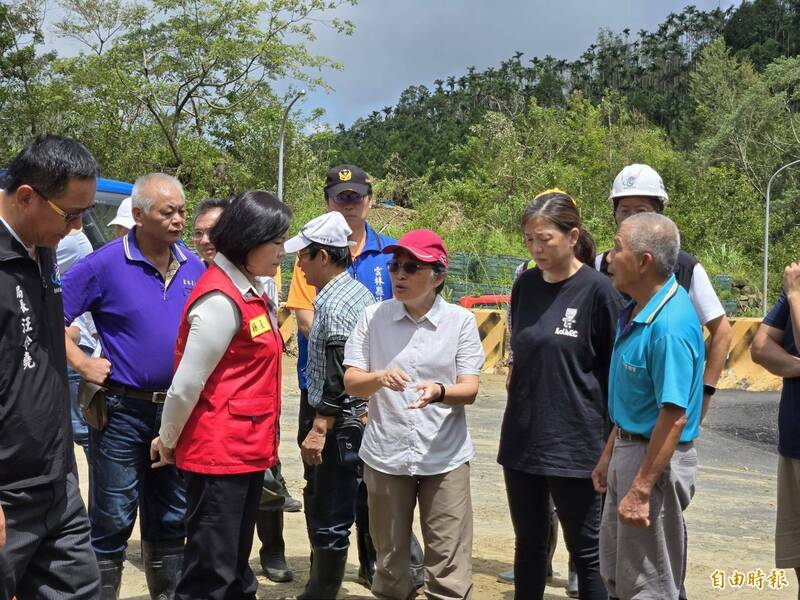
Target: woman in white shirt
<point>418,360</point>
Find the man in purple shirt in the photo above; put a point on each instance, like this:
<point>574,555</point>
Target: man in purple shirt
<point>135,287</point>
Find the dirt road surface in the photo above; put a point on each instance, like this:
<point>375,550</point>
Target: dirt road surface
<point>730,521</point>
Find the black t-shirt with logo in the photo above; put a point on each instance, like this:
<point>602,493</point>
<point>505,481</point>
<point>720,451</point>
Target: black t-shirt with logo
<point>556,419</point>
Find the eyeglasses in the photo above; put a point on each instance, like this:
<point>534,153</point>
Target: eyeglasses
<point>348,197</point>
<point>201,233</point>
<point>407,267</point>
<point>68,216</point>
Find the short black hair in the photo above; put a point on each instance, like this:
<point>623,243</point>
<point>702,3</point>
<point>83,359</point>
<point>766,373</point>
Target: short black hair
<point>47,164</point>
<point>253,217</point>
<point>209,204</point>
<point>340,256</point>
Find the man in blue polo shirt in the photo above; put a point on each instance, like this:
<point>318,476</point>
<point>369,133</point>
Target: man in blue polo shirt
<point>135,287</point>
<point>655,400</point>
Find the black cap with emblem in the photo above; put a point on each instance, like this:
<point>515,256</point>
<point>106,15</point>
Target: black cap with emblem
<point>346,178</point>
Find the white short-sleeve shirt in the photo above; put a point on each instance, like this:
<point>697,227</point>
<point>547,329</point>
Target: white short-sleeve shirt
<point>439,347</point>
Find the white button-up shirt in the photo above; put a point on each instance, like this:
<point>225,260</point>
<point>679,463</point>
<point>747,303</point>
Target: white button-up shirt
<point>439,347</point>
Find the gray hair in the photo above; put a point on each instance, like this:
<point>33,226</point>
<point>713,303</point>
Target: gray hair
<point>141,195</point>
<point>656,234</point>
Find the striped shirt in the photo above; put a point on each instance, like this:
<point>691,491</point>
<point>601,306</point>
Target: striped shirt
<point>337,309</point>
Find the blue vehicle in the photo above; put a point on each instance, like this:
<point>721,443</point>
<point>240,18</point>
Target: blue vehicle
<point>110,193</point>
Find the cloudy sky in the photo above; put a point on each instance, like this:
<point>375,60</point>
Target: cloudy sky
<point>398,43</point>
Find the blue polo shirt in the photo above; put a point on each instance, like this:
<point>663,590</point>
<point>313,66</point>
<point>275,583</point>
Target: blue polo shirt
<point>370,269</point>
<point>136,314</point>
<point>658,359</point>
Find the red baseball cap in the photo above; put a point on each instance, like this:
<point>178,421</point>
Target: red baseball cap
<point>424,244</point>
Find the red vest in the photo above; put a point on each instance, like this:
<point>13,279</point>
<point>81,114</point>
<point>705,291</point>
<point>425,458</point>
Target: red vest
<point>233,428</point>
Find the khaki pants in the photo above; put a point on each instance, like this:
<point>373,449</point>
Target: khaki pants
<point>445,509</point>
<point>787,525</point>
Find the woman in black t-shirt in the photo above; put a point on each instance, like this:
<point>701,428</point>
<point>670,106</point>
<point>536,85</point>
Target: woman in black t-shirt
<point>556,419</point>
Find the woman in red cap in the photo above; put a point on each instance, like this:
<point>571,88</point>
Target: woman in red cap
<point>418,360</point>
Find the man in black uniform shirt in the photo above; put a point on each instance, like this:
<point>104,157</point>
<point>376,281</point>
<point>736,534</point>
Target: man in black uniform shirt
<point>45,550</point>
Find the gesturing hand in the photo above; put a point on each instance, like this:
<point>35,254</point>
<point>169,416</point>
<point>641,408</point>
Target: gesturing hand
<point>395,379</point>
<point>430,393</point>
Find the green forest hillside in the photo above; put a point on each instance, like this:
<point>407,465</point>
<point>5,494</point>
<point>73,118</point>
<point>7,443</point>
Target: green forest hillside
<point>710,99</point>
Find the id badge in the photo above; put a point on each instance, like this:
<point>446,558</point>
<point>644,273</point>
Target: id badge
<point>259,325</point>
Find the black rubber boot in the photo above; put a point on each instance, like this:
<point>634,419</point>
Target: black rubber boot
<point>366,557</point>
<point>269,525</point>
<point>163,563</point>
<point>110,577</point>
<point>417,563</point>
<point>327,572</point>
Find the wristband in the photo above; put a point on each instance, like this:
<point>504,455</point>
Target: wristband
<point>441,394</point>
<point>709,390</point>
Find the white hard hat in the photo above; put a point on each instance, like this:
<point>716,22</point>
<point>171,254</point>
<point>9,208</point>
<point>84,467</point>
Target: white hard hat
<point>638,180</point>
<point>124,215</point>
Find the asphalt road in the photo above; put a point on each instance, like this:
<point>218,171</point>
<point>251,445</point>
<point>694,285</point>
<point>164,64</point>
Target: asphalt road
<point>750,417</point>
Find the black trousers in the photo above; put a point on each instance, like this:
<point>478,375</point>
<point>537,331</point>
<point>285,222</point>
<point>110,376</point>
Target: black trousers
<point>331,494</point>
<point>220,522</point>
<point>48,553</point>
<point>578,507</point>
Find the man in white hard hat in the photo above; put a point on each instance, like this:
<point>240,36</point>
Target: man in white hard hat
<point>639,188</point>
<point>123,222</point>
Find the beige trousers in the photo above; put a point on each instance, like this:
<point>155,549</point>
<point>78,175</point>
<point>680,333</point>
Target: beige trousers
<point>445,509</point>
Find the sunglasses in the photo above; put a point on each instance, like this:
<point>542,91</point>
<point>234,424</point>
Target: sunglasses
<point>407,267</point>
<point>348,197</point>
<point>68,216</point>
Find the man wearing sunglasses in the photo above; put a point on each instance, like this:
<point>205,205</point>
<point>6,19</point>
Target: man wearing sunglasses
<point>45,550</point>
<point>348,190</point>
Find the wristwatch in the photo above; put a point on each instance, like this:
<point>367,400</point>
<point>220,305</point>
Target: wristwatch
<point>441,393</point>
<point>709,390</point>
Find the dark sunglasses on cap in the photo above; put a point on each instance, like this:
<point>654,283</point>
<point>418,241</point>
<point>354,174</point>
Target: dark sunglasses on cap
<point>348,197</point>
<point>408,267</point>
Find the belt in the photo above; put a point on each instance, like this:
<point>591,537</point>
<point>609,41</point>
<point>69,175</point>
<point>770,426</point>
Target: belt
<point>630,437</point>
<point>136,393</point>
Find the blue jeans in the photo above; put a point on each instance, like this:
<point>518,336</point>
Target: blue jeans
<point>122,480</point>
<point>80,430</point>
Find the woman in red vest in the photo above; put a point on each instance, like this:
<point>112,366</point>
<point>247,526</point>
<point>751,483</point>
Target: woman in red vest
<point>219,423</point>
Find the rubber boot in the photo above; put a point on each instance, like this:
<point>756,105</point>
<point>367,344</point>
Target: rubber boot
<point>269,525</point>
<point>163,563</point>
<point>327,572</point>
<point>417,563</point>
<point>366,557</point>
<point>572,581</point>
<point>110,577</point>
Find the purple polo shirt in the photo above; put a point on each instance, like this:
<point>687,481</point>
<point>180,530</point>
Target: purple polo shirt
<point>137,318</point>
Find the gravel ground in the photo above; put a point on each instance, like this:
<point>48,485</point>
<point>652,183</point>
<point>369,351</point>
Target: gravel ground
<point>730,521</point>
